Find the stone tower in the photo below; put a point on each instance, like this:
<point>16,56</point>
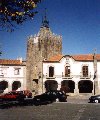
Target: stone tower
<point>39,47</point>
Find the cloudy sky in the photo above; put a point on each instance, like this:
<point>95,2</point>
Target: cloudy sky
<point>77,21</point>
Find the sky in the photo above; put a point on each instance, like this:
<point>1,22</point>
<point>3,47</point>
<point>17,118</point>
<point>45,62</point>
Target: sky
<point>77,21</point>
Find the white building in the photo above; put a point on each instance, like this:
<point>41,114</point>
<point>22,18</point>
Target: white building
<point>12,75</point>
<point>76,74</point>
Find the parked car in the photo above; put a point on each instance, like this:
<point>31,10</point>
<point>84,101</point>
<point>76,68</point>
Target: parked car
<point>94,99</point>
<point>27,93</point>
<point>49,97</point>
<point>10,96</point>
<point>16,95</point>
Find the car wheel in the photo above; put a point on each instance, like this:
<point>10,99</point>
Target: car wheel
<point>96,101</point>
<point>36,102</point>
<point>1,100</point>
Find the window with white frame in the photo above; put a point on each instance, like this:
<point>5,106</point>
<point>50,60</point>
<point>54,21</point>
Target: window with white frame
<point>51,71</point>
<point>16,71</point>
<point>67,71</point>
<point>85,71</point>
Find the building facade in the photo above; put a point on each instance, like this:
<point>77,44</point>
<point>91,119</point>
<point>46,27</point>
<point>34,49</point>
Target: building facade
<point>39,47</point>
<point>76,75</point>
<point>48,69</point>
<point>12,75</point>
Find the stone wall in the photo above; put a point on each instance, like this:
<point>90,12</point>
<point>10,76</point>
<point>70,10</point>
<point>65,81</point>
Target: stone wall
<point>39,47</point>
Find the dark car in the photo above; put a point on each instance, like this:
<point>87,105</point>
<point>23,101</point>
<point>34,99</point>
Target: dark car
<point>49,97</point>
<point>94,99</point>
<point>27,93</point>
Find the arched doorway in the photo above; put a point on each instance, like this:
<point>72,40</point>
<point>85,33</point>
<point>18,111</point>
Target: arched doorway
<point>3,86</point>
<point>68,86</point>
<point>16,85</point>
<point>85,86</point>
<point>51,85</point>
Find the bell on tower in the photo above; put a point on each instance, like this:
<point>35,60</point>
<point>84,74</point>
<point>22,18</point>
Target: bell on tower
<point>45,22</point>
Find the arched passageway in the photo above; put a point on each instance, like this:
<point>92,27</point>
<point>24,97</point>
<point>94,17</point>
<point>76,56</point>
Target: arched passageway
<point>16,85</point>
<point>51,85</point>
<point>3,86</point>
<point>85,86</point>
<point>68,86</point>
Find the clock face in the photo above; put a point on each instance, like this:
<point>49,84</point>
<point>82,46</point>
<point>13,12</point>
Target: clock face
<point>67,59</point>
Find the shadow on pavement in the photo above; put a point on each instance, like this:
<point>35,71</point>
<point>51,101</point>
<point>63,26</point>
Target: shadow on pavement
<point>10,104</point>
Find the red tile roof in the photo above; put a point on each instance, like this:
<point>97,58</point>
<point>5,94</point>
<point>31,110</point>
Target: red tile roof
<point>10,62</point>
<point>82,57</point>
<point>86,57</point>
<point>55,58</point>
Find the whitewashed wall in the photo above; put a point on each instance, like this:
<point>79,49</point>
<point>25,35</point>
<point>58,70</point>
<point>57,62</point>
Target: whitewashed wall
<point>75,69</point>
<point>7,74</point>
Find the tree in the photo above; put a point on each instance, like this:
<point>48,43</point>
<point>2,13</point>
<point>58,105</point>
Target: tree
<point>14,12</point>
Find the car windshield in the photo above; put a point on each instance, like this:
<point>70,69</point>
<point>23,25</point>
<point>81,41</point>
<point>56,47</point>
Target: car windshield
<point>60,93</point>
<point>20,91</point>
<point>11,93</point>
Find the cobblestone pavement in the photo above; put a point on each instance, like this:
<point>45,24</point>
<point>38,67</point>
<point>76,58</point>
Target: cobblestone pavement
<point>78,100</point>
<point>74,109</point>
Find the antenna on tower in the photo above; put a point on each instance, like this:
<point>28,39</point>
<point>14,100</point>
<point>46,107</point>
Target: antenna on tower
<point>45,22</point>
<point>45,14</point>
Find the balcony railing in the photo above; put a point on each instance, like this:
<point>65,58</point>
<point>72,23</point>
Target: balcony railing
<point>67,76</point>
<point>70,76</point>
<point>59,76</point>
<point>86,76</point>
<point>49,77</point>
<point>1,75</point>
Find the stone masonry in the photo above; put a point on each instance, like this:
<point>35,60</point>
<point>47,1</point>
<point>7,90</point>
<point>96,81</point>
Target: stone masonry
<point>39,47</point>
